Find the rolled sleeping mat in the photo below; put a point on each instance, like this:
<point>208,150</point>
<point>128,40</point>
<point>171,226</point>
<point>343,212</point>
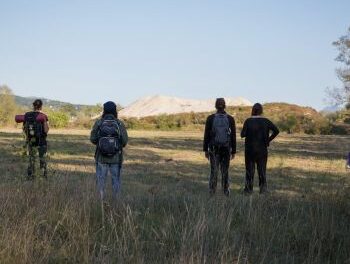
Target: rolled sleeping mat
<point>41,118</point>
<point>19,118</point>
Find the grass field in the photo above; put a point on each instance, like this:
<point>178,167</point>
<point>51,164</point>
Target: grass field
<point>165,214</point>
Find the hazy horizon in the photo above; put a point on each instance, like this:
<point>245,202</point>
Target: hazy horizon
<point>181,97</point>
<point>87,52</point>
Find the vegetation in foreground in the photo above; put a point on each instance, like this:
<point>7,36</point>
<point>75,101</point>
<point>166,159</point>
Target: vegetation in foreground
<point>165,214</point>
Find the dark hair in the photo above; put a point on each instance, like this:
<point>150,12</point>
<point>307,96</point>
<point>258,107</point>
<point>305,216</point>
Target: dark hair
<point>110,108</point>
<point>257,109</point>
<point>37,104</point>
<point>220,104</point>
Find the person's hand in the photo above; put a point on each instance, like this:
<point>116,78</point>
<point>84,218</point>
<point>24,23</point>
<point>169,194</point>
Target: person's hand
<point>207,155</point>
<point>233,156</point>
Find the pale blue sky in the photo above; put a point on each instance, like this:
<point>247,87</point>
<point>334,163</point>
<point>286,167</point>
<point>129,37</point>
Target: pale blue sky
<point>93,51</point>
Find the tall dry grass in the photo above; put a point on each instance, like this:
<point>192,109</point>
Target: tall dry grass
<point>165,215</point>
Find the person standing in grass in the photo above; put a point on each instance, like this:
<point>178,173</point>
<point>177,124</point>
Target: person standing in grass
<point>219,145</point>
<point>257,133</point>
<point>110,137</point>
<point>36,127</point>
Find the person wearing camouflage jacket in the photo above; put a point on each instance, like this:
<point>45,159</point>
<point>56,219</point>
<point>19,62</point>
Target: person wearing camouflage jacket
<point>109,162</point>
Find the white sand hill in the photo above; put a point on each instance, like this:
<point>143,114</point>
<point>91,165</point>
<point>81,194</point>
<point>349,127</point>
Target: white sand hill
<point>157,105</point>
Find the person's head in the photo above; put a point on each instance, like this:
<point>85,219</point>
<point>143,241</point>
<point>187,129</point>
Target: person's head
<point>110,108</point>
<point>220,104</point>
<point>257,109</point>
<point>37,105</point>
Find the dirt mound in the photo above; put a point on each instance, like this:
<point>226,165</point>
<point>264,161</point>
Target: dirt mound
<point>157,105</point>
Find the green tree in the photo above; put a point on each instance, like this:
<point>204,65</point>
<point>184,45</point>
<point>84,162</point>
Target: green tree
<point>7,105</point>
<point>340,96</point>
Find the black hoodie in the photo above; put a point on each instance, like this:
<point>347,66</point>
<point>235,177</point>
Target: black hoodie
<point>256,131</point>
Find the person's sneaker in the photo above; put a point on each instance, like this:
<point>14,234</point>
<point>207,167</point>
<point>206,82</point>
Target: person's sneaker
<point>45,174</point>
<point>264,190</point>
<point>227,192</point>
<point>30,175</point>
<point>247,192</point>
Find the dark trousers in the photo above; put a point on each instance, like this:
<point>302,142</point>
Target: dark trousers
<point>219,161</point>
<point>253,159</point>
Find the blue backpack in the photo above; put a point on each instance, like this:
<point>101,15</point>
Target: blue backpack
<point>109,137</point>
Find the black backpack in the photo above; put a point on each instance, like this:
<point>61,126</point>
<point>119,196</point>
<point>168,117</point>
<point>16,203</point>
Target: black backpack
<point>109,137</point>
<point>221,131</point>
<point>33,129</point>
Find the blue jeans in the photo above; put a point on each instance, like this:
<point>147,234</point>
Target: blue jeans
<point>102,170</point>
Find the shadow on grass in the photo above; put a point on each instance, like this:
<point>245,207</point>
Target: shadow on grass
<point>144,168</point>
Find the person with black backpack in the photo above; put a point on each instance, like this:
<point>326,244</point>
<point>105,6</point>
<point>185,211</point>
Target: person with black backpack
<point>35,127</point>
<point>219,145</point>
<point>110,137</point>
<point>258,132</point>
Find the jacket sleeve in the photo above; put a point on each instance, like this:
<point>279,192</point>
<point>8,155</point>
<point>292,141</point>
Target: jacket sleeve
<point>207,134</point>
<point>124,134</point>
<point>94,133</point>
<point>233,136</point>
<point>244,130</point>
<point>274,130</point>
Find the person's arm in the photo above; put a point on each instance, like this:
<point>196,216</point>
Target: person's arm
<point>207,134</point>
<point>206,140</point>
<point>46,123</point>
<point>274,130</point>
<point>46,127</point>
<point>123,134</point>
<point>94,133</point>
<point>244,130</point>
<point>233,136</point>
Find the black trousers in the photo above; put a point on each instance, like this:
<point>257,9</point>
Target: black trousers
<point>219,161</point>
<point>252,159</point>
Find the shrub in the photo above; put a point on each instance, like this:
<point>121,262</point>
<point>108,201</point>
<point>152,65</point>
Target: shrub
<point>8,106</point>
<point>288,124</point>
<point>338,130</point>
<point>58,119</point>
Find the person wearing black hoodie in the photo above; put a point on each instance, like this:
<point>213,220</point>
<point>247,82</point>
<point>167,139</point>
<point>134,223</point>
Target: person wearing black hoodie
<point>256,131</point>
<point>219,145</point>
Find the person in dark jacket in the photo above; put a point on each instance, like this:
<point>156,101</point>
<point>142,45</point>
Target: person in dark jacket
<point>257,133</point>
<point>219,145</point>
<point>109,156</point>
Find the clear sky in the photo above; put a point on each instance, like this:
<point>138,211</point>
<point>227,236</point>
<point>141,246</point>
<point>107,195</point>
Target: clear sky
<point>93,51</point>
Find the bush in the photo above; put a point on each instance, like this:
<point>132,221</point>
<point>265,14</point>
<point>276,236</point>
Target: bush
<point>338,130</point>
<point>309,126</point>
<point>288,124</point>
<point>8,106</point>
<point>83,122</point>
<point>58,119</point>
